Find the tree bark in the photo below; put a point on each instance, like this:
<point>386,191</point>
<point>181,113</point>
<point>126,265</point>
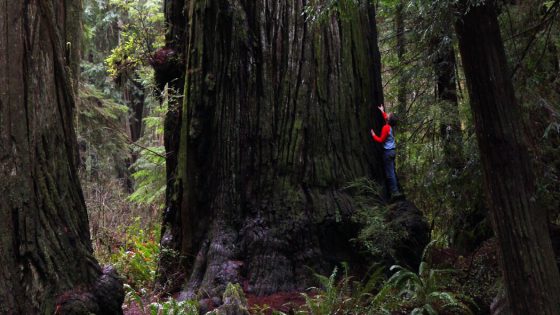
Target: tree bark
<point>274,125</point>
<point>73,34</point>
<point>135,98</point>
<point>47,264</point>
<point>531,276</point>
<point>450,128</point>
<point>171,72</point>
<point>401,51</point>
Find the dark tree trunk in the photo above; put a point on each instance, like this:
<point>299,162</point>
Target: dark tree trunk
<point>530,272</point>
<point>47,263</point>
<point>135,97</point>
<point>450,128</point>
<point>401,51</point>
<point>274,125</point>
<point>171,72</point>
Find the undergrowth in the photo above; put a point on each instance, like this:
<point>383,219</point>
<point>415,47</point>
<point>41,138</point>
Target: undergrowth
<point>429,290</point>
<point>169,307</point>
<point>376,236</point>
<point>136,260</point>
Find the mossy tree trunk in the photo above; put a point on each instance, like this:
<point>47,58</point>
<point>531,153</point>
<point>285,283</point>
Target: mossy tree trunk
<point>47,263</point>
<point>171,73</point>
<point>275,123</point>
<point>531,276</point>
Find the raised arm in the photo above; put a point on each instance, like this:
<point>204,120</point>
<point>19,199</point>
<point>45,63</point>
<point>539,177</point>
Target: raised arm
<point>382,109</point>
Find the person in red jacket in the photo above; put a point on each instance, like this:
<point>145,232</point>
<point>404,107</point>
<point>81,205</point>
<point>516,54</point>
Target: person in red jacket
<point>387,139</point>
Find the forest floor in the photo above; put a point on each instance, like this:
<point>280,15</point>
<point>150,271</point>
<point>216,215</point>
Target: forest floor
<point>477,276</point>
<point>282,301</point>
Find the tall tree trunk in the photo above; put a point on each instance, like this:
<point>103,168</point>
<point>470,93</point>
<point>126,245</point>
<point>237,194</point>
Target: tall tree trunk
<point>135,97</point>
<point>401,51</point>
<point>47,263</point>
<point>450,128</point>
<point>274,125</point>
<point>171,72</point>
<point>530,272</point>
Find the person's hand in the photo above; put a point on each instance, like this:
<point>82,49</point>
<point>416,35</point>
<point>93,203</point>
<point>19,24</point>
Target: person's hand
<point>381,108</point>
<point>372,132</point>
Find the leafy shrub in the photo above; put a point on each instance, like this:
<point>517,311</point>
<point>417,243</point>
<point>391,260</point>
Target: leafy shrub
<point>136,260</point>
<point>140,35</point>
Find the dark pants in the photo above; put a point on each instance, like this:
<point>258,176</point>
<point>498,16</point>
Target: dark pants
<point>390,175</point>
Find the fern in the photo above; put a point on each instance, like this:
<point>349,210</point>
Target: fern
<point>377,236</point>
<point>426,289</point>
<point>150,177</point>
<point>174,307</point>
<point>169,307</point>
<point>342,296</point>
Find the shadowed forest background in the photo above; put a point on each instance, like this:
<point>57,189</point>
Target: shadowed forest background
<point>215,157</point>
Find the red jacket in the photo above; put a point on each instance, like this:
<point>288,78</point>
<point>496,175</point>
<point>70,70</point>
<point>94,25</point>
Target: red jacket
<point>384,131</point>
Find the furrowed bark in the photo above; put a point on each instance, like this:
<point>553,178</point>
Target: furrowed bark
<point>530,273</point>
<point>47,263</point>
<point>171,270</point>
<point>274,125</point>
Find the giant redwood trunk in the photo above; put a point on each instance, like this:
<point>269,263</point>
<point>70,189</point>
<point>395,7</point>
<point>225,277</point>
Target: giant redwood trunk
<point>274,126</point>
<point>46,265</point>
<point>530,273</point>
